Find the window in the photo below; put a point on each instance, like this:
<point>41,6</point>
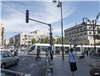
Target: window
<point>43,48</point>
<point>89,27</point>
<point>90,37</point>
<point>5,55</point>
<point>90,33</point>
<point>10,55</point>
<point>32,48</point>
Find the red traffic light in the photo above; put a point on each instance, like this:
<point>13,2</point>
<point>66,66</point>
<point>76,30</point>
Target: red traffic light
<point>27,14</point>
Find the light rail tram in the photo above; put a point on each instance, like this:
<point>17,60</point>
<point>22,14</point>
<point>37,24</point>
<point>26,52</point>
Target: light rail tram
<point>57,48</point>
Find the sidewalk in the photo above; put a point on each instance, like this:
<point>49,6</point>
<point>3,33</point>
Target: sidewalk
<point>62,68</point>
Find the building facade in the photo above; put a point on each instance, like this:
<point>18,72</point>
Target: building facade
<point>82,34</point>
<point>25,40</point>
<point>1,35</point>
<point>6,42</point>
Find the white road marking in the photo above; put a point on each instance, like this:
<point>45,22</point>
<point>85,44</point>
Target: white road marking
<point>23,59</point>
<point>31,65</point>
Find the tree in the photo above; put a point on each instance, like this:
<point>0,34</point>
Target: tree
<point>47,40</point>
<point>33,41</point>
<point>59,41</point>
<point>97,36</point>
<point>10,42</point>
<point>42,40</point>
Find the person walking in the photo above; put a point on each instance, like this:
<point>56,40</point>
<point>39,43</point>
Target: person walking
<point>72,61</point>
<point>87,52</point>
<point>46,53</point>
<point>16,53</point>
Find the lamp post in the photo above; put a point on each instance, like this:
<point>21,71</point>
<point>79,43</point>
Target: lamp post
<point>60,5</point>
<point>93,29</point>
<point>94,25</point>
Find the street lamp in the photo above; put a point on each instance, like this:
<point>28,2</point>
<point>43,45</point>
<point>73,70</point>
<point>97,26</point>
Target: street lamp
<point>60,5</point>
<point>93,29</point>
<point>94,25</point>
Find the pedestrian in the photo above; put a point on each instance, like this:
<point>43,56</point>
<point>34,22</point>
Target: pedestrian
<point>16,53</point>
<point>87,52</point>
<point>46,53</point>
<point>99,53</point>
<point>83,54</point>
<point>72,61</point>
<point>38,53</point>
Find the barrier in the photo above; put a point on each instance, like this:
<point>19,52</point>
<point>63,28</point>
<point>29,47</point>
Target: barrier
<point>51,67</point>
<point>49,72</point>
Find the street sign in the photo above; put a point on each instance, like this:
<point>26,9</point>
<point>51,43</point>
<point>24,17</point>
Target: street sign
<point>50,33</point>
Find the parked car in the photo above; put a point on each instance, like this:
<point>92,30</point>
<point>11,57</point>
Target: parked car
<point>5,72</point>
<point>8,59</point>
<point>2,49</point>
<point>7,49</point>
<point>23,49</point>
<point>12,48</point>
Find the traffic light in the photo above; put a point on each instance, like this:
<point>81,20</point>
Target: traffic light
<point>51,40</point>
<point>54,1</point>
<point>27,16</point>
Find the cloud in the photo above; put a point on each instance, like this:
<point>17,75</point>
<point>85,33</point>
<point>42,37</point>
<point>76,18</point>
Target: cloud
<point>14,15</point>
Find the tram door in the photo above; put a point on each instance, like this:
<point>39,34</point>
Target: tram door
<point>66,49</point>
<point>43,49</point>
<point>57,50</point>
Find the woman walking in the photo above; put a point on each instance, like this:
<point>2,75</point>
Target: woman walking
<point>72,61</point>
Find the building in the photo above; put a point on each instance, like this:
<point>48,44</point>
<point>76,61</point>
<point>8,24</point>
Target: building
<point>82,34</point>
<point>6,42</point>
<point>1,35</point>
<point>24,40</point>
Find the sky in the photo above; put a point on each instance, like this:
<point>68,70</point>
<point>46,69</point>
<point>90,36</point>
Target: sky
<point>13,15</point>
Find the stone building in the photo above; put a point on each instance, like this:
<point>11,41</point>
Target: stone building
<point>82,34</point>
<point>1,35</point>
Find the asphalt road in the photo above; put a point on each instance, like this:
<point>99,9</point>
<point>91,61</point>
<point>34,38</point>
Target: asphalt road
<point>29,65</point>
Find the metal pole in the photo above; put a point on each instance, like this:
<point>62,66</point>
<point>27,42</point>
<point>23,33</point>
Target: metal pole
<point>50,32</point>
<point>94,36</point>
<point>62,31</point>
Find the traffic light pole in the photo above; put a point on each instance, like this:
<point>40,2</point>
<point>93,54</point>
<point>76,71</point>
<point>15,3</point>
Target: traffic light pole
<point>45,24</point>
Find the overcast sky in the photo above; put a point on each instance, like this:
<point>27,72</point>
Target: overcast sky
<point>13,15</point>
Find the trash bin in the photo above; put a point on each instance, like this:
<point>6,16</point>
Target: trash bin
<point>95,72</point>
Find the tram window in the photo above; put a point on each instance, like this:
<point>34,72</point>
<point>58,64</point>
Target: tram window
<point>76,49</point>
<point>38,47</point>
<point>89,49</point>
<point>66,49</point>
<point>32,48</point>
<point>43,48</point>
<point>58,49</point>
<point>98,49</point>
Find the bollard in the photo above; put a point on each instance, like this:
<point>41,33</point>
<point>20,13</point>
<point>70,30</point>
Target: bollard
<point>51,68</point>
<point>49,60</point>
<point>51,63</point>
<point>49,72</point>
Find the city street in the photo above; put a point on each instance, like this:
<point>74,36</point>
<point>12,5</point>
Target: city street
<point>29,65</point>
<point>62,67</point>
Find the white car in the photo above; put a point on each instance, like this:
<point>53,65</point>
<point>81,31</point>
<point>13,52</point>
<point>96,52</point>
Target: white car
<point>2,49</point>
<point>8,59</point>
<point>7,49</point>
<point>5,72</point>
